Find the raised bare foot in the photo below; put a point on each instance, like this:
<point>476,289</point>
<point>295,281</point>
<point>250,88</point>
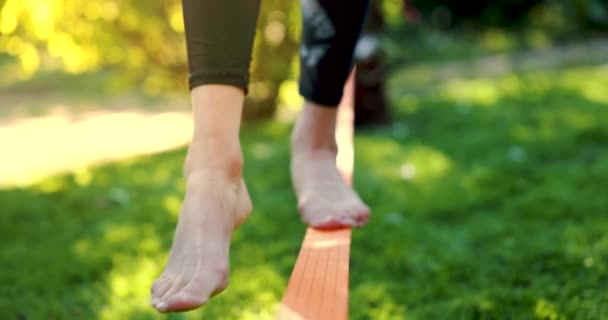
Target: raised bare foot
<point>198,268</point>
<point>325,201</point>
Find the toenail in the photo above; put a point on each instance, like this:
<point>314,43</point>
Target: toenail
<point>161,306</point>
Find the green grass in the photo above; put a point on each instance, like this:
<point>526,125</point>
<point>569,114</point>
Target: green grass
<point>488,195</point>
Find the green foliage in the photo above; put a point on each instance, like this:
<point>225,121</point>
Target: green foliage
<point>141,39</point>
<point>488,199</point>
<point>495,13</point>
<point>139,43</point>
<point>582,14</point>
<point>275,54</point>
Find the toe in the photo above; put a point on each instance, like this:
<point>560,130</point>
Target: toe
<point>161,285</point>
<point>348,220</point>
<point>175,286</point>
<point>363,210</point>
<point>362,216</point>
<point>197,292</point>
<point>361,220</point>
<point>159,291</point>
<point>182,301</point>
<point>191,296</point>
<point>327,223</point>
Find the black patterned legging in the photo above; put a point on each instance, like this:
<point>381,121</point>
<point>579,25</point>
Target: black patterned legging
<point>219,37</point>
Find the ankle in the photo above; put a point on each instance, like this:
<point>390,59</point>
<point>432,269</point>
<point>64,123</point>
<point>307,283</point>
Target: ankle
<point>301,144</point>
<point>215,147</point>
<point>308,143</point>
<point>213,159</point>
<point>315,129</point>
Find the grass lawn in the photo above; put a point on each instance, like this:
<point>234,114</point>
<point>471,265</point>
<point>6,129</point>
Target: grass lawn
<point>489,199</point>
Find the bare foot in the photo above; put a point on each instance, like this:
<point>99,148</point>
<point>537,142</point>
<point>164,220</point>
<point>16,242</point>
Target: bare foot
<point>325,201</point>
<point>216,203</point>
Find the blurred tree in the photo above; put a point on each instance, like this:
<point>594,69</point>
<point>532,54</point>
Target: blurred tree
<point>275,55</point>
<point>139,42</point>
<point>478,12</point>
<point>593,13</point>
<point>580,14</point>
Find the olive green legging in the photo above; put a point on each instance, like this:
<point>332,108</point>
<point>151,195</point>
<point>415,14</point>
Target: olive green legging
<point>219,37</point>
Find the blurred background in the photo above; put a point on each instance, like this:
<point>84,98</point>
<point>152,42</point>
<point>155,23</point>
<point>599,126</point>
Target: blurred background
<point>482,148</point>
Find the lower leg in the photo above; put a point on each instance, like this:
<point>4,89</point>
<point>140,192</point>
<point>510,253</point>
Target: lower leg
<point>215,204</point>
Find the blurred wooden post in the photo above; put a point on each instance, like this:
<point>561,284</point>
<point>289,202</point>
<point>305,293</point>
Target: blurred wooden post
<point>371,107</point>
<point>318,286</point>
